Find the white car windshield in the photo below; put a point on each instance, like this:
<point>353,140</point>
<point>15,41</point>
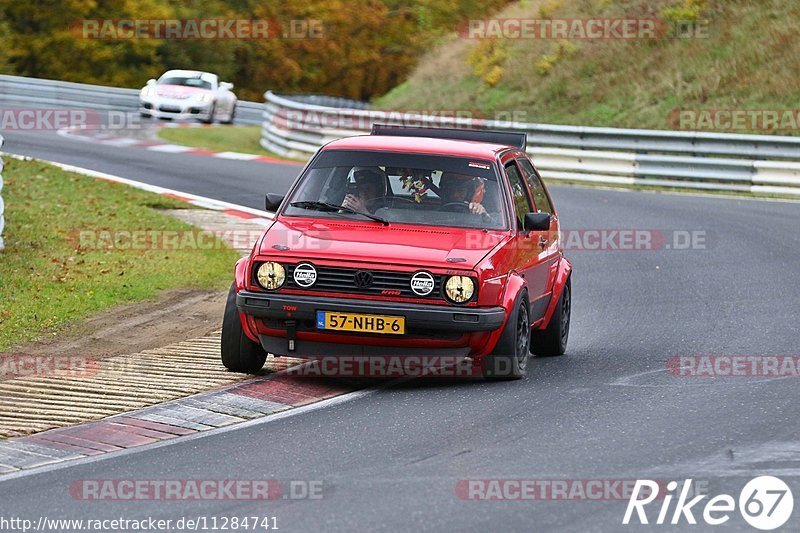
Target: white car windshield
<point>401,188</point>
<point>186,82</point>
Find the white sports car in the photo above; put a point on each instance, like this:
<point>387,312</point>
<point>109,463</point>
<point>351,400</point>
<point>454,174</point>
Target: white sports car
<point>186,94</point>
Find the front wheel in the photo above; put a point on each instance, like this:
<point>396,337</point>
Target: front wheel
<point>509,360</point>
<point>239,353</point>
<point>231,116</point>
<point>553,340</point>
<point>211,113</point>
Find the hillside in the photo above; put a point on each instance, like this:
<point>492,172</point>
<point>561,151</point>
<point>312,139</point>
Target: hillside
<point>352,48</point>
<point>749,60</point>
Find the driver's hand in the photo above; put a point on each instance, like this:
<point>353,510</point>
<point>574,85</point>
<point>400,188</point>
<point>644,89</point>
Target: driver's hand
<point>351,201</point>
<point>477,209</point>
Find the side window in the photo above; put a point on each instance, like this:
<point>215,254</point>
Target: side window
<point>536,187</point>
<point>522,202</point>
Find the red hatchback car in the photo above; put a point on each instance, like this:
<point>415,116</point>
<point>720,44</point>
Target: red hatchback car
<point>407,242</point>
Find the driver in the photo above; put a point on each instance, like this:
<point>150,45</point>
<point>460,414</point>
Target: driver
<point>370,183</point>
<point>456,188</point>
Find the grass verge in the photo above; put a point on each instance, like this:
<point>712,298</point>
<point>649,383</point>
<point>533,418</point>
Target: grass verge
<point>50,276</point>
<point>243,139</point>
<point>744,56</point>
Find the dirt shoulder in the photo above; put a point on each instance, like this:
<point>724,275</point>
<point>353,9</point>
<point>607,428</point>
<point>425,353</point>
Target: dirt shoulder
<point>174,316</point>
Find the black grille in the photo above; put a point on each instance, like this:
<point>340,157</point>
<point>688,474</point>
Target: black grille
<point>169,109</point>
<point>344,280</point>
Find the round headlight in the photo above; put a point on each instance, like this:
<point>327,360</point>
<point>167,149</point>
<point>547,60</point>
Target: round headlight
<point>271,275</point>
<point>459,289</point>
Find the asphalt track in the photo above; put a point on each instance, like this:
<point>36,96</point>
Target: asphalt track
<point>239,182</point>
<point>609,409</point>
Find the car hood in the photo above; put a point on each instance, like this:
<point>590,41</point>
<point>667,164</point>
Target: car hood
<point>178,91</point>
<point>397,244</point>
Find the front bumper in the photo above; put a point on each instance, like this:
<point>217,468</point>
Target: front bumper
<point>437,323</point>
<point>175,109</point>
<point>429,317</point>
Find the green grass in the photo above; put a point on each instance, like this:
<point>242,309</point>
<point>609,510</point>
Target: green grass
<point>49,278</point>
<point>750,60</point>
<point>243,139</point>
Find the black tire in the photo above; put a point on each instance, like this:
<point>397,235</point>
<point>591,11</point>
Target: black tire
<point>553,340</point>
<point>239,353</point>
<point>509,359</point>
<point>210,119</point>
<point>233,116</point>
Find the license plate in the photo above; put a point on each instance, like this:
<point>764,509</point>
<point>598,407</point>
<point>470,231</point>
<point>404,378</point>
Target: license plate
<point>391,325</point>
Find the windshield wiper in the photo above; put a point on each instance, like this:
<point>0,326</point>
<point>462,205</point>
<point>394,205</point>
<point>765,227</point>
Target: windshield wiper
<point>332,208</point>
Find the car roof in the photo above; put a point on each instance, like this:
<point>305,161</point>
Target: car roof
<point>187,73</point>
<point>420,145</point>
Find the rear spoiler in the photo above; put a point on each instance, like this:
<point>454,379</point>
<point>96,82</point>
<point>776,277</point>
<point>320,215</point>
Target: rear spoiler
<point>507,138</point>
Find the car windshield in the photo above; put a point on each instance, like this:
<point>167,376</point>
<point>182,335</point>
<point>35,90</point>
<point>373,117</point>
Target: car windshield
<point>401,188</point>
<point>186,82</point>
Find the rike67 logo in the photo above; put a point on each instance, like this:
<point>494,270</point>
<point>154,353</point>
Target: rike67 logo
<point>765,503</point>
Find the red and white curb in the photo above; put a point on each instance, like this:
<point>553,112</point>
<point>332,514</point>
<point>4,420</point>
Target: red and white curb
<point>205,413</point>
<point>101,137</point>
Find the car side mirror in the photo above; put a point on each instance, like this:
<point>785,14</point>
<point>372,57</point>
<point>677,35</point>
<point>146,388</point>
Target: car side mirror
<point>151,81</point>
<point>537,221</point>
<point>226,86</point>
<point>274,201</point>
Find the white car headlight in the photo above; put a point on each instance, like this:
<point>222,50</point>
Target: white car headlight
<point>147,92</point>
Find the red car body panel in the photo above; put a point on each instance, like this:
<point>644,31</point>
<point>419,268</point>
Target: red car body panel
<point>503,262</point>
<point>399,244</point>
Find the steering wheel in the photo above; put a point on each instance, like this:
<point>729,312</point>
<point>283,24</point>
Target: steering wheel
<point>463,207</point>
<point>456,207</point>
<point>386,201</point>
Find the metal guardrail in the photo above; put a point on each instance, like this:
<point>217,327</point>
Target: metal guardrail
<point>2,204</point>
<point>19,91</point>
<point>297,127</point>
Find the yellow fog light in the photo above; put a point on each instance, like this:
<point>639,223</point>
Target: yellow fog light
<point>271,275</point>
<point>459,289</point>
